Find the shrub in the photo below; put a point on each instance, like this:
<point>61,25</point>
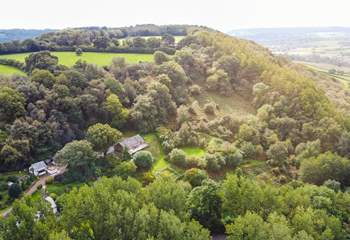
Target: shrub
<point>3,186</point>
<point>233,157</point>
<point>195,176</point>
<point>215,162</point>
<point>143,159</point>
<point>209,108</point>
<point>50,180</point>
<point>125,169</point>
<point>12,179</point>
<point>148,178</point>
<point>160,57</point>
<point>178,157</point>
<point>53,196</point>
<point>324,167</point>
<point>14,190</point>
<point>332,184</point>
<point>196,162</point>
<point>195,90</point>
<point>248,150</point>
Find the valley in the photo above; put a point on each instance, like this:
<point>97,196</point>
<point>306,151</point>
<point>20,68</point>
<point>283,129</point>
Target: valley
<point>187,134</point>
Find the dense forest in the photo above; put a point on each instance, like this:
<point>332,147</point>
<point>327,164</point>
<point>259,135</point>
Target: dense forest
<point>8,35</point>
<point>74,115</point>
<point>126,39</point>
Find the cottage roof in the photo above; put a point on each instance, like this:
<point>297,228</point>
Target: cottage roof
<point>38,166</point>
<point>134,144</point>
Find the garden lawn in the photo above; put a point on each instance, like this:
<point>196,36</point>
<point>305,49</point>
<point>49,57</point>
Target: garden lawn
<point>156,149</point>
<point>8,70</point>
<point>100,59</point>
<point>61,188</point>
<point>193,151</point>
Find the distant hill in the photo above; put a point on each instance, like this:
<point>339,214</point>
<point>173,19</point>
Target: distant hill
<point>324,47</point>
<point>7,35</point>
<point>286,35</point>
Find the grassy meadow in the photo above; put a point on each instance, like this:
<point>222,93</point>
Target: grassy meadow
<point>8,70</point>
<point>100,59</point>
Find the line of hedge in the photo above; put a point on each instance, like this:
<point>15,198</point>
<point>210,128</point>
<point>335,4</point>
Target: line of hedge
<point>13,63</point>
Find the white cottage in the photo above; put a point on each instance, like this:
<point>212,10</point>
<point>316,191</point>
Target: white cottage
<point>38,169</point>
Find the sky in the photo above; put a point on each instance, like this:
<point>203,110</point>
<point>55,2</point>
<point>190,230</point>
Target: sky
<point>223,15</point>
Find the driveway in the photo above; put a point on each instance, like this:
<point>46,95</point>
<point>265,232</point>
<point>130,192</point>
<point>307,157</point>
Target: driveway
<point>40,182</point>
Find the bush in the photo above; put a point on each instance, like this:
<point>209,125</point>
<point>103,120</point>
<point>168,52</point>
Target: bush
<point>125,169</point>
<point>196,162</point>
<point>143,159</point>
<point>195,176</point>
<point>233,158</point>
<point>12,179</point>
<point>14,190</point>
<point>50,180</point>
<point>53,196</point>
<point>178,157</point>
<point>3,186</point>
<point>324,167</point>
<point>215,162</point>
<point>160,57</point>
<point>332,184</point>
<point>148,178</point>
<point>248,150</point>
<point>195,90</point>
<point>209,108</point>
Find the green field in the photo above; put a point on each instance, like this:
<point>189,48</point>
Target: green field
<point>324,68</point>
<point>194,151</point>
<point>100,59</point>
<point>156,149</point>
<point>8,70</point>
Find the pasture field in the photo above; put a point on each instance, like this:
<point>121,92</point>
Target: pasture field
<point>8,70</point>
<point>323,68</point>
<point>100,59</point>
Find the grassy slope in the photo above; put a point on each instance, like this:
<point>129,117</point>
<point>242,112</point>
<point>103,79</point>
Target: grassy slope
<point>156,149</point>
<point>100,59</point>
<point>8,70</point>
<point>235,104</point>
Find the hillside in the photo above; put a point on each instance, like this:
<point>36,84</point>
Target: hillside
<point>325,47</point>
<point>240,142</point>
<point>8,35</point>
